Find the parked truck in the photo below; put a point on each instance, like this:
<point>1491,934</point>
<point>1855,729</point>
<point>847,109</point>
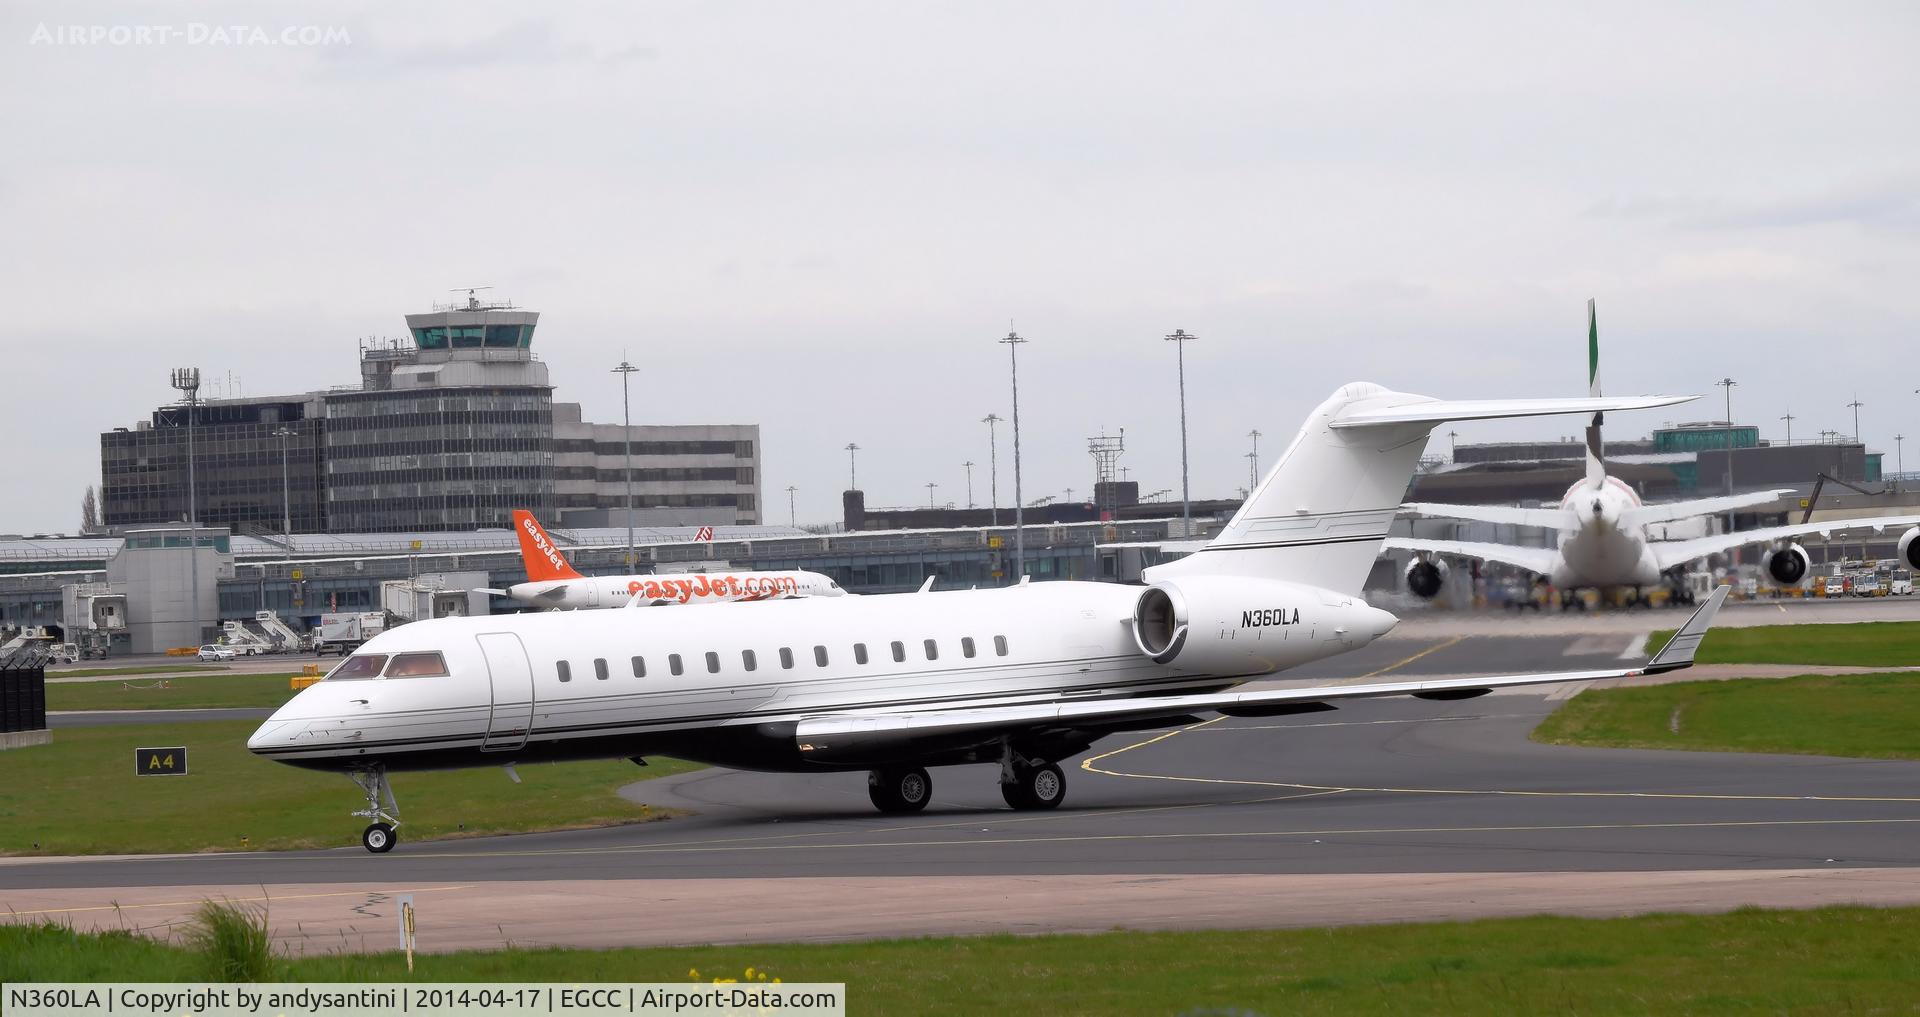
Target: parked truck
<point>343,632</point>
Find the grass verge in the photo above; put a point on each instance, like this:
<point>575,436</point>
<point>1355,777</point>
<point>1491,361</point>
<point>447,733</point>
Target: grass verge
<point>226,691</point>
<point>1831,960</point>
<point>1856,644</point>
<point>1875,716</point>
<point>79,795</point>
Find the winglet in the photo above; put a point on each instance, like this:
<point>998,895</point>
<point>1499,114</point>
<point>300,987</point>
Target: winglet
<point>924,587</point>
<point>1679,651</point>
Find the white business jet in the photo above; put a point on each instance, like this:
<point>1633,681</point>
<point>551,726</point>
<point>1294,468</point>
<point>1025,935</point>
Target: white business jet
<point>552,581</point>
<point>1018,677</point>
<point>1603,528</point>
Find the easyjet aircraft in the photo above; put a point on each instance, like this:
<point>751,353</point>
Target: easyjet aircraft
<point>552,581</point>
<point>1015,678</point>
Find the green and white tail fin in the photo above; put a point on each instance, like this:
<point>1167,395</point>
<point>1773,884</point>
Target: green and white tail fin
<point>1596,464</point>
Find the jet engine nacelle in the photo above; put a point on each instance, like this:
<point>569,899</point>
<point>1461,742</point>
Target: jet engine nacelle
<point>1239,625</point>
<point>1789,565</point>
<point>1425,576</point>
<point>1910,548</point>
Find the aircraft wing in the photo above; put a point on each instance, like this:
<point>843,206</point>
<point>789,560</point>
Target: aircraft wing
<point>1679,552</point>
<point>1538,560</point>
<point>822,737</point>
<point>1675,510</point>
<point>1549,519</point>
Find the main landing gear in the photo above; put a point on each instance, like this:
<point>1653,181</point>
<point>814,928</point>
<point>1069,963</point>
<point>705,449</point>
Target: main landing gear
<point>1028,785</point>
<point>379,836</point>
<point>898,789</point>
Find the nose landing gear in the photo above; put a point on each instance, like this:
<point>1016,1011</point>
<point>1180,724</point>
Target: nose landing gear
<point>379,836</point>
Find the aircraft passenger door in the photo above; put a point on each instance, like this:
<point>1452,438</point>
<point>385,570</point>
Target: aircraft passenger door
<point>512,677</point>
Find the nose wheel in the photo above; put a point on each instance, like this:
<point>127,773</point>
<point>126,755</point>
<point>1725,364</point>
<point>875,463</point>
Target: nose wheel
<point>379,836</point>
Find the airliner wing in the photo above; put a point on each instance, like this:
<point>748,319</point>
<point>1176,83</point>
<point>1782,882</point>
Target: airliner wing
<point>821,737</point>
<point>1534,559</point>
<point>1675,510</point>
<point>1679,552</point>
<point>1549,519</point>
<point>1423,410</point>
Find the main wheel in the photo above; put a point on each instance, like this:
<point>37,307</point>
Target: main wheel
<point>900,790</point>
<point>378,838</point>
<point>1038,787</point>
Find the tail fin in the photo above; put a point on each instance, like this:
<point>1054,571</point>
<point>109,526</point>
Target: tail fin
<point>1596,464</point>
<point>1319,515</point>
<point>544,561</point>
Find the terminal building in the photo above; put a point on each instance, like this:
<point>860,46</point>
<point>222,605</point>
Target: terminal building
<point>449,429</point>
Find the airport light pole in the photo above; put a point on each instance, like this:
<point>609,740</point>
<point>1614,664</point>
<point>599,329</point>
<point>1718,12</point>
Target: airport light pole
<point>790,512</point>
<point>1179,339</point>
<point>969,465</point>
<point>852,478</point>
<point>930,486</point>
<point>286,491</point>
<point>1856,404</point>
<point>1253,462</point>
<point>187,380</point>
<point>625,371</point>
<point>1899,461</point>
<point>1013,342</point>
<point>1728,384</point>
<point>1788,417</point>
<point>993,465</point>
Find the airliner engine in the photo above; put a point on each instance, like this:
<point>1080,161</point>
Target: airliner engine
<point>1425,576</point>
<point>1237,625</point>
<point>1788,565</point>
<point>1910,548</point>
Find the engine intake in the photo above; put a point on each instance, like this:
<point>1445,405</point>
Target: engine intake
<point>1910,548</point>
<point>1425,577</point>
<point>1788,565</point>
<point>1240,625</point>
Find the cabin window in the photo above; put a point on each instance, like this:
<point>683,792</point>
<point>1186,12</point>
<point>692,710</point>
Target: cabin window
<point>417,665</point>
<point>820,656</point>
<point>360,665</point>
<point>747,660</point>
<point>564,669</point>
<point>966,647</point>
<point>673,664</point>
<point>600,668</point>
<point>639,667</point>
<point>713,662</point>
<point>899,652</point>
<point>859,653</point>
<point>933,649</point>
<point>1000,645</point>
<point>786,657</point>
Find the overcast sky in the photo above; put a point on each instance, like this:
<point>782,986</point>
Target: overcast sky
<point>819,217</point>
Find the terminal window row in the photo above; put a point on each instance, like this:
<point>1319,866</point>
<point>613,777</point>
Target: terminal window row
<point>750,661</point>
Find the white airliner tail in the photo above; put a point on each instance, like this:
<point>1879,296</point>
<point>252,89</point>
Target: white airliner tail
<point>1319,515</point>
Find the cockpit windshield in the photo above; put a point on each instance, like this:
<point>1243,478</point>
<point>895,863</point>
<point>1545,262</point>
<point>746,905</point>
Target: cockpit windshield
<point>417,665</point>
<point>360,665</point>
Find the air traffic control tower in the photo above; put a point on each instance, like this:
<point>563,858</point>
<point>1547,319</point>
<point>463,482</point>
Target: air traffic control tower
<point>453,431</point>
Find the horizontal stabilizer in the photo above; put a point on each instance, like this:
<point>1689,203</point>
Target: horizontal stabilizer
<point>1543,518</point>
<point>1674,511</point>
<point>1421,410</point>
